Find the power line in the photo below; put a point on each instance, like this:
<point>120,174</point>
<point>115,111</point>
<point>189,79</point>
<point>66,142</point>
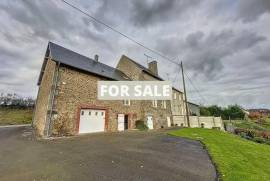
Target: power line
<point>202,98</point>
<point>117,31</point>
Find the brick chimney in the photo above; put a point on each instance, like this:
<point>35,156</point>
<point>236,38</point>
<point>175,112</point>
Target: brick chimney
<point>152,67</point>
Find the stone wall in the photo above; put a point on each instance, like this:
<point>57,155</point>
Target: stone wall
<point>199,121</point>
<point>43,98</point>
<point>77,89</point>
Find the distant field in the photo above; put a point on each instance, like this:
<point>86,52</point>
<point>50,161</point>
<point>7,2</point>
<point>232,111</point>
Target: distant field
<point>10,116</point>
<point>251,124</point>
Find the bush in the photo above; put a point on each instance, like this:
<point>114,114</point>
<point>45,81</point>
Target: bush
<point>140,125</point>
<point>258,139</point>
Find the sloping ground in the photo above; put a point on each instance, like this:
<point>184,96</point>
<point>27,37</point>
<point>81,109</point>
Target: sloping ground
<point>10,116</point>
<point>235,157</point>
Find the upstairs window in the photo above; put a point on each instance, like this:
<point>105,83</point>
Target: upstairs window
<point>164,104</point>
<point>127,102</point>
<point>154,103</point>
<point>174,95</point>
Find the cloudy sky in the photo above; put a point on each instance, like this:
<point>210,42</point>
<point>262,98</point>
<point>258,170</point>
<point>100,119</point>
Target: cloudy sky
<point>223,44</point>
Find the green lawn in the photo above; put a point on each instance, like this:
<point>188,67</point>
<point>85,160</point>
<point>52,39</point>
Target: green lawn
<point>236,158</point>
<point>9,116</point>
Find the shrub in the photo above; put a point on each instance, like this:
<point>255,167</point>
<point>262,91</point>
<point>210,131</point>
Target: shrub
<point>258,139</point>
<point>140,125</point>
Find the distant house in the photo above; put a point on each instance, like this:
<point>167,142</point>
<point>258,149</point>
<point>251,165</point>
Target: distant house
<point>258,112</point>
<point>193,109</point>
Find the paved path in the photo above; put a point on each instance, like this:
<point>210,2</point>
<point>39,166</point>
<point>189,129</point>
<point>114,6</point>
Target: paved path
<point>110,156</point>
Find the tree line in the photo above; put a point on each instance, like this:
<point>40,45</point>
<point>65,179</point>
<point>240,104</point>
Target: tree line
<point>230,112</point>
<point>15,101</point>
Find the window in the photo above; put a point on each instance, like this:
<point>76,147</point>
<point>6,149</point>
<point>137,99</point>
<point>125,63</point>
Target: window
<point>96,113</point>
<point>82,113</point>
<point>127,102</point>
<point>102,113</point>
<point>89,113</point>
<point>164,104</point>
<point>180,97</point>
<point>174,95</point>
<point>154,103</point>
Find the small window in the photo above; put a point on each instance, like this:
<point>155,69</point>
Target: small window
<point>174,95</point>
<point>82,113</point>
<point>96,113</point>
<point>127,102</point>
<point>154,103</point>
<point>164,104</point>
<point>89,113</point>
<point>102,113</point>
<point>180,97</point>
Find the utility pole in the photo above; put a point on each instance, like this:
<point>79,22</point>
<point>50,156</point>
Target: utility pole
<point>185,93</point>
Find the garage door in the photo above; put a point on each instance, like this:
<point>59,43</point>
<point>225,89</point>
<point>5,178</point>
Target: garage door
<point>92,121</point>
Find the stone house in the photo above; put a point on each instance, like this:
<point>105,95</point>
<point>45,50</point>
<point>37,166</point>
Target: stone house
<point>158,110</point>
<point>67,97</point>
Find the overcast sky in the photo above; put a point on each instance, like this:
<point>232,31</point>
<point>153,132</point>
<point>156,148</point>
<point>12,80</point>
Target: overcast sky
<point>223,44</point>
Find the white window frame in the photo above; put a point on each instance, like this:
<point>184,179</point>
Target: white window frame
<point>164,104</point>
<point>154,103</point>
<point>175,95</point>
<point>127,102</point>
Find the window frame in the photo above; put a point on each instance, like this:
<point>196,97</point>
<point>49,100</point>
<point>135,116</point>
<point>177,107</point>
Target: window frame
<point>154,103</point>
<point>126,102</point>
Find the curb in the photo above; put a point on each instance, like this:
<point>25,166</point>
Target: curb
<point>15,126</point>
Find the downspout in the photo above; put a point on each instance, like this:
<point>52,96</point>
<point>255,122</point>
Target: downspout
<point>55,81</point>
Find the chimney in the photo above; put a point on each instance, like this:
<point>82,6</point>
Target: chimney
<point>96,58</point>
<point>152,67</point>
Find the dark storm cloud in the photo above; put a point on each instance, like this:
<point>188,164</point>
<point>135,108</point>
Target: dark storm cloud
<point>38,15</point>
<point>204,53</point>
<point>146,13</point>
<point>250,10</point>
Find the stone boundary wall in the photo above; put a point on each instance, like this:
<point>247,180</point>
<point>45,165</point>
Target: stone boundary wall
<point>199,121</point>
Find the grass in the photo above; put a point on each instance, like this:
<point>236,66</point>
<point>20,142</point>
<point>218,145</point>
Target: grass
<point>10,116</point>
<point>236,158</point>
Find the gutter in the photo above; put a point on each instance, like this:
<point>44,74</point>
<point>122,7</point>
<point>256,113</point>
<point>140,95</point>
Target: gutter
<point>49,119</point>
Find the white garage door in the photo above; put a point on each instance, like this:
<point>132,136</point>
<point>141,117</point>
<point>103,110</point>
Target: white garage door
<point>92,121</point>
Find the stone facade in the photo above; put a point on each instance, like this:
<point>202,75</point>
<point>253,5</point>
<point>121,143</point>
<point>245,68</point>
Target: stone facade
<point>78,90</point>
<point>136,72</point>
<point>43,97</point>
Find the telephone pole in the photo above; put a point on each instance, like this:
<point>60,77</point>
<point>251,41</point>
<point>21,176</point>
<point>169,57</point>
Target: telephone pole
<point>185,93</point>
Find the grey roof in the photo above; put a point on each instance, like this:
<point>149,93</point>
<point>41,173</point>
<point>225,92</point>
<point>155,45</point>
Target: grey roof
<point>76,60</point>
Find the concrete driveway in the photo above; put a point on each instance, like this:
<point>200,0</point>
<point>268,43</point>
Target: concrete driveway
<point>110,156</point>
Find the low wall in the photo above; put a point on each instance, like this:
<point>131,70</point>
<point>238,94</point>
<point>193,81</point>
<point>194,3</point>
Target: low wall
<point>199,121</point>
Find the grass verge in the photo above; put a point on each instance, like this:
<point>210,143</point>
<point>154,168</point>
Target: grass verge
<point>11,116</point>
<point>235,157</point>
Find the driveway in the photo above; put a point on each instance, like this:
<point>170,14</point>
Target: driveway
<point>111,156</point>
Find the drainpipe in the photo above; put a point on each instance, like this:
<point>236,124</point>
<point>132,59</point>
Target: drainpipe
<point>55,81</point>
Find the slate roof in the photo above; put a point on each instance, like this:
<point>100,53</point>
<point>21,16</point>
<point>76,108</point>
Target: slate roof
<point>76,60</point>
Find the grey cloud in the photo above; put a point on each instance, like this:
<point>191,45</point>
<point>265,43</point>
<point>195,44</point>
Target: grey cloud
<point>204,53</point>
<point>145,13</point>
<point>250,10</point>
